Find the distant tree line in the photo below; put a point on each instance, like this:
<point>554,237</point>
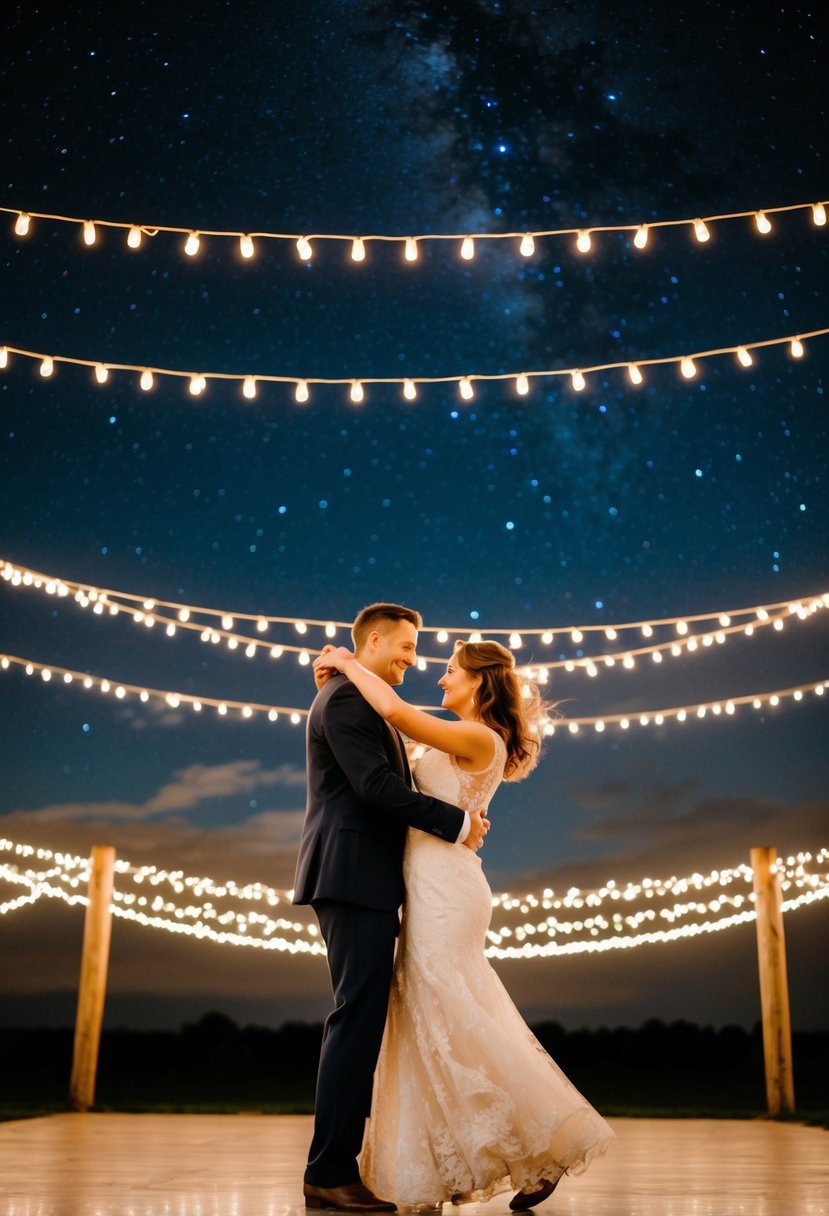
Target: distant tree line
<point>215,1064</point>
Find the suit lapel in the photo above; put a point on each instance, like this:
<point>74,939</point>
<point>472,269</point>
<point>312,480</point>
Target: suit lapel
<point>400,750</point>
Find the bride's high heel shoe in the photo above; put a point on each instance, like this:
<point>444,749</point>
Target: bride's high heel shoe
<point>523,1200</point>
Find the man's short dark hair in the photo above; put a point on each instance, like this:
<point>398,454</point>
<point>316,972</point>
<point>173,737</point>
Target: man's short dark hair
<point>373,617</point>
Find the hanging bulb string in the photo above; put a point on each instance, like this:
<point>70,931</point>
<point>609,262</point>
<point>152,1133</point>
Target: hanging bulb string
<point>724,706</point>
<point>174,700</point>
<point>410,242</point>
<point>146,612</point>
<point>199,380</point>
<point>799,871</point>
<point>249,709</point>
<point>16,575</point>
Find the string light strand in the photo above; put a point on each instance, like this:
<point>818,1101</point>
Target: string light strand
<point>198,381</point>
<point>724,707</point>
<point>803,879</point>
<point>639,232</point>
<point>109,601</point>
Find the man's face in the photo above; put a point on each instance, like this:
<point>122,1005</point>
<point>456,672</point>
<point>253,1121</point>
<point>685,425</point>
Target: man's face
<point>391,651</point>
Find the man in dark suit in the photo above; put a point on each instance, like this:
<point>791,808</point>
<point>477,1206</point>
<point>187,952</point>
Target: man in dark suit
<point>350,869</point>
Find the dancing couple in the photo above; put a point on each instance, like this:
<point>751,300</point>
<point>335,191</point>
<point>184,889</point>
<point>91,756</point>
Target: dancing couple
<point>462,1100</point>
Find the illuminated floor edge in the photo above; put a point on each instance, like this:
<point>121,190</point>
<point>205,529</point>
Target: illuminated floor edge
<point>251,1165</point>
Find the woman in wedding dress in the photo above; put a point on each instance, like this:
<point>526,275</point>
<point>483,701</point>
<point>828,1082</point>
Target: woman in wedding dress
<point>466,1101</point>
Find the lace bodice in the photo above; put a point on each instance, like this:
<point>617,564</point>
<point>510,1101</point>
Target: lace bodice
<point>440,775</point>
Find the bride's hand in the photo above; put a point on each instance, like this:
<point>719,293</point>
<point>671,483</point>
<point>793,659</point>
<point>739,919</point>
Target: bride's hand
<point>322,670</point>
<point>330,659</point>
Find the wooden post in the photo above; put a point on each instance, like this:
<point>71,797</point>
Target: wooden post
<point>774,988</point>
<point>92,988</point>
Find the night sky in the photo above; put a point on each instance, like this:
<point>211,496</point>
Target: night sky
<point>552,510</point>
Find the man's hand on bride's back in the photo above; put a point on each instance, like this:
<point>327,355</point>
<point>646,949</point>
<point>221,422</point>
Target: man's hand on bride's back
<point>478,828</point>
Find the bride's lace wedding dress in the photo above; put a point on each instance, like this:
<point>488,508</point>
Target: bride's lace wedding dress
<point>466,1101</point>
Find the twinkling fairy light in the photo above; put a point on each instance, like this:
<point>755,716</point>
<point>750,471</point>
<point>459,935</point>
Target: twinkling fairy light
<point>357,244</point>
<point>198,380</point>
<point>686,634</point>
<point>531,925</point>
<point>723,709</point>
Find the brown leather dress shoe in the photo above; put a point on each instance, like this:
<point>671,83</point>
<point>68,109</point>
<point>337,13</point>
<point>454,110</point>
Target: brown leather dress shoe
<point>352,1198</point>
<point>523,1200</point>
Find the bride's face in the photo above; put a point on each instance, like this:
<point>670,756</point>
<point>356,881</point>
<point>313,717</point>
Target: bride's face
<point>458,688</point>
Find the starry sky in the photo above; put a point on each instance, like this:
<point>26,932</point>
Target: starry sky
<point>550,510</point>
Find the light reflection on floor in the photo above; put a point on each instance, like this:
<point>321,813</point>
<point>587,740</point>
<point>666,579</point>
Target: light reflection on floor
<point>250,1165</point>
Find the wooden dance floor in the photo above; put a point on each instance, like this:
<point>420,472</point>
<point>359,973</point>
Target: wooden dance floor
<point>251,1165</point>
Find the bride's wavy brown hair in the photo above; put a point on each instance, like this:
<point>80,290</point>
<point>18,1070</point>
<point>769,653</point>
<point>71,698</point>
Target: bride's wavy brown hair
<point>509,704</point>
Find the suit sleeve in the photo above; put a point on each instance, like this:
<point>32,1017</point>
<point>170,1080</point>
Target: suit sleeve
<point>355,734</point>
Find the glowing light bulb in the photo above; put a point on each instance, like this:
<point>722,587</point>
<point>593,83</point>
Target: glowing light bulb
<point>796,348</point>
<point>101,373</point>
<point>184,614</point>
<point>47,366</point>
<point>303,248</point>
<point>89,233</point>
<point>578,380</point>
<point>522,385</point>
<point>682,627</point>
<point>134,236</point>
<point>197,385</point>
<point>515,641</point>
<point>303,658</point>
<point>466,389</point>
<point>634,373</point>
<point>701,231</point>
<point>688,368</point>
<point>819,214</point>
<point>410,249</point>
<point>442,635</point>
<point>4,357</point>
<point>763,222</point>
<point>577,636</point>
<point>547,637</point>
<point>468,248</point>
<point>191,245</point>
<point>146,380</point>
<point>22,224</point>
<point>583,241</point>
<point>640,240</point>
<point>356,393</point>
<point>358,250</point>
<point>301,391</point>
<point>409,390</point>
<point>527,247</point>
<point>744,356</point>
<point>249,387</point>
<point>330,630</point>
<point>246,246</point>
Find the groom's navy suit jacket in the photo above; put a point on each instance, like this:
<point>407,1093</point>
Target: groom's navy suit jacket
<point>359,805</point>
